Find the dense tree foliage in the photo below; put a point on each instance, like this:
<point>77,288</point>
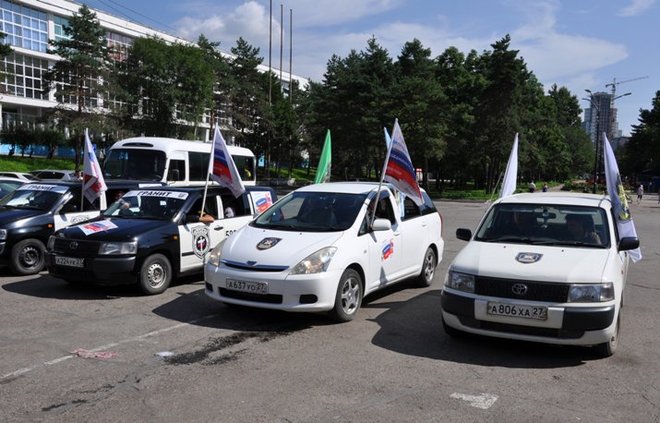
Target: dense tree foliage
<point>80,76</point>
<point>641,155</point>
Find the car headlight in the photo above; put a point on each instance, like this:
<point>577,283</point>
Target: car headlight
<point>214,257</point>
<point>51,243</point>
<point>460,281</point>
<point>591,293</point>
<point>3,234</point>
<point>315,263</point>
<point>117,248</point>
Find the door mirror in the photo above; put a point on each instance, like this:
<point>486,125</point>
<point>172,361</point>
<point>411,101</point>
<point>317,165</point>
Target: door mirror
<point>628,243</point>
<point>381,225</point>
<point>463,234</point>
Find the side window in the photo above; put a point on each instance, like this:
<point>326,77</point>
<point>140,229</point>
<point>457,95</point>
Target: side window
<point>428,207</point>
<point>210,207</point>
<point>177,170</point>
<point>199,165</point>
<point>72,205</point>
<point>410,209</point>
<point>234,207</point>
<point>385,211</point>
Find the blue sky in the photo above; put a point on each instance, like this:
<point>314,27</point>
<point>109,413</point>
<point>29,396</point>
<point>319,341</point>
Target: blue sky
<point>580,44</point>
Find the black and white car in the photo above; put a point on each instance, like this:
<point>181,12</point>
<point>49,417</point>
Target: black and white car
<point>152,236</point>
<point>31,213</point>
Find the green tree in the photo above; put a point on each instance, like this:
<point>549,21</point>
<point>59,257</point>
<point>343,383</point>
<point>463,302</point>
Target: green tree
<point>167,86</point>
<point>78,77</point>
<point>642,152</point>
<point>422,113</point>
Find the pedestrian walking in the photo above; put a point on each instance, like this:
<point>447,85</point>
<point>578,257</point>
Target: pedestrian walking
<point>640,193</point>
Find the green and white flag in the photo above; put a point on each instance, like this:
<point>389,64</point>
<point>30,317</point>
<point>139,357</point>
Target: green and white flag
<point>323,171</point>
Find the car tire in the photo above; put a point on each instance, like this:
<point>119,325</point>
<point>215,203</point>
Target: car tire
<point>27,257</point>
<point>429,264</point>
<point>349,296</point>
<point>452,332</point>
<point>607,349</point>
<point>155,274</point>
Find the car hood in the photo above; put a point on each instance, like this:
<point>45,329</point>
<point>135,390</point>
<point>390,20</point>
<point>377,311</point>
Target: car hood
<point>10,215</point>
<point>126,230</point>
<point>290,247</point>
<point>555,264</point>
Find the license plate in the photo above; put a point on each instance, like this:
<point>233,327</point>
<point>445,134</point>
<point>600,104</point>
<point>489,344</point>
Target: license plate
<point>69,261</point>
<point>517,310</point>
<point>247,286</point>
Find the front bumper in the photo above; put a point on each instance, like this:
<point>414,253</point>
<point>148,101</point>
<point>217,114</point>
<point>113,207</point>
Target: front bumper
<point>105,271</point>
<point>313,293</point>
<point>566,324</point>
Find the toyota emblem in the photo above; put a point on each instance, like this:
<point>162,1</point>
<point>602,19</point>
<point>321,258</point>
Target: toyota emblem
<point>519,289</point>
<point>73,245</point>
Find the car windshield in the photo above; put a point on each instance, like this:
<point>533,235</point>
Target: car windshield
<point>312,212</point>
<point>147,204</point>
<point>546,225</point>
<point>34,196</point>
<point>138,164</point>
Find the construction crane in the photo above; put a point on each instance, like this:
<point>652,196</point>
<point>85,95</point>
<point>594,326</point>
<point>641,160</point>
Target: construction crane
<point>615,83</point>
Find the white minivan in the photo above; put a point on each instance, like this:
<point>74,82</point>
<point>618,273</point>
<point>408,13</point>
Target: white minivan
<point>316,251</point>
<point>547,267</point>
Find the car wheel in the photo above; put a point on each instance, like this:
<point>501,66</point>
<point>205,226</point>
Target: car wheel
<point>452,332</point>
<point>27,257</point>
<point>607,349</point>
<point>155,274</point>
<point>429,264</point>
<point>349,296</point>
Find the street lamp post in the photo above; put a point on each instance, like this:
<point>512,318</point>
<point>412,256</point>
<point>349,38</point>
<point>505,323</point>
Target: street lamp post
<point>595,105</point>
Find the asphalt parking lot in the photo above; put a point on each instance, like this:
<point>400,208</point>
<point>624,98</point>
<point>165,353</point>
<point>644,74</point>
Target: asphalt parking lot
<point>111,354</point>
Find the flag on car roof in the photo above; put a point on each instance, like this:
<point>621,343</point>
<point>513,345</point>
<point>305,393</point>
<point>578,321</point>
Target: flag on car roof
<point>399,170</point>
<point>93,183</point>
<point>511,174</point>
<point>624,221</point>
<point>323,170</point>
<point>223,169</point>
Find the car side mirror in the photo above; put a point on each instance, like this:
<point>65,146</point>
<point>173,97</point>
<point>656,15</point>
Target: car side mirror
<point>463,234</point>
<point>173,175</point>
<point>381,225</point>
<point>628,243</point>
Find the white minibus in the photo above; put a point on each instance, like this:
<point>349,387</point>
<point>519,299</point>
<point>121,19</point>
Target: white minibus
<point>172,161</point>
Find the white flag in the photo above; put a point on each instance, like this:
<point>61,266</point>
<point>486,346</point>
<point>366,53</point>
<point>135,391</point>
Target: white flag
<point>511,174</point>
<point>624,221</point>
<point>93,183</point>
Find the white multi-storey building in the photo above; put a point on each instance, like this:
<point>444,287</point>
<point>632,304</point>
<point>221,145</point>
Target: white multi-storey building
<point>29,24</point>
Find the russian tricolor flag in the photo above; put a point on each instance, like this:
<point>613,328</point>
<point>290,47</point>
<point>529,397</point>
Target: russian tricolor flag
<point>399,170</point>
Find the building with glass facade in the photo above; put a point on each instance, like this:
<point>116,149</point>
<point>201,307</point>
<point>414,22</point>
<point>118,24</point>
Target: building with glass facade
<point>29,24</point>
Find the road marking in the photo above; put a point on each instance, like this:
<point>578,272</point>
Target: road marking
<point>25,370</point>
<point>483,401</point>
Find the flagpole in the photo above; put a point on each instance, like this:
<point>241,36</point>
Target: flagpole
<point>382,175</point>
<point>82,183</point>
<point>208,174</point>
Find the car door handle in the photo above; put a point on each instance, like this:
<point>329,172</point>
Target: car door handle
<point>218,228</point>
<point>397,233</point>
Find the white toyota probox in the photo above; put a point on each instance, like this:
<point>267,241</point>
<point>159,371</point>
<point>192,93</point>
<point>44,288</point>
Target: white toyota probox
<point>544,267</point>
<point>314,250</point>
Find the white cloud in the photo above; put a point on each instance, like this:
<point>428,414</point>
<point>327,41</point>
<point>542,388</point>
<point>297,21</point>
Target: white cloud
<point>636,7</point>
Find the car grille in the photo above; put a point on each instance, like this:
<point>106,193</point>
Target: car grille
<point>258,298</point>
<point>536,291</point>
<point>521,330</point>
<point>255,267</point>
<point>82,248</point>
